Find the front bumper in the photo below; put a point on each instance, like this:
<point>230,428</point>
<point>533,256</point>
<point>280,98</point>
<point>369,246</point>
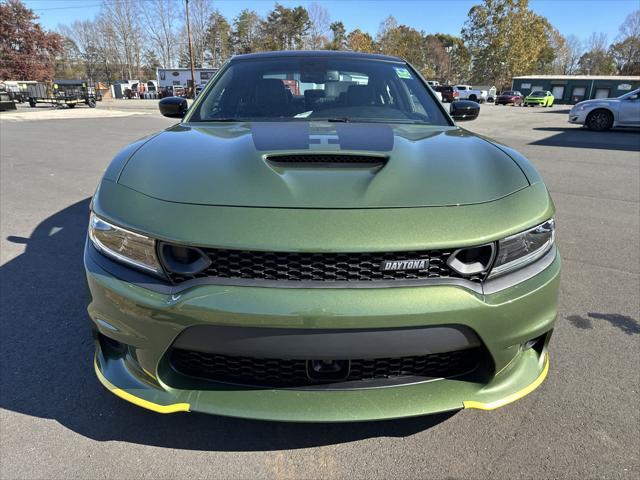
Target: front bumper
<point>149,322</point>
<point>578,117</point>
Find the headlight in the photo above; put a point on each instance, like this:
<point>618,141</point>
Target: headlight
<point>524,248</point>
<point>123,245</point>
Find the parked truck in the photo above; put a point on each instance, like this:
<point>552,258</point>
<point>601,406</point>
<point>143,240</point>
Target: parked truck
<point>467,92</point>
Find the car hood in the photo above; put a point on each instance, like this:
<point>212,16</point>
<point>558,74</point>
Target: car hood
<point>226,164</point>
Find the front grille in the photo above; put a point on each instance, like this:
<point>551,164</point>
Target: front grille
<point>273,372</point>
<point>327,159</point>
<point>320,267</point>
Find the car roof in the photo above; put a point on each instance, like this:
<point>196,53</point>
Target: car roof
<point>315,54</point>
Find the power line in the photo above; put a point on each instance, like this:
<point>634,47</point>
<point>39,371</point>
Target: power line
<point>110,2</point>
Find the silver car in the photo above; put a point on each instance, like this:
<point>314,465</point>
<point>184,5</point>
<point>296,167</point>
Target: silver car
<point>605,113</point>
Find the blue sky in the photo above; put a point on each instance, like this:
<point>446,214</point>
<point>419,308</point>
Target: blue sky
<point>577,17</point>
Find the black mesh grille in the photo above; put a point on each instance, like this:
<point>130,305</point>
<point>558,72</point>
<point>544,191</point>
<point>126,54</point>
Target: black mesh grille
<point>314,158</point>
<point>321,267</point>
<point>268,372</point>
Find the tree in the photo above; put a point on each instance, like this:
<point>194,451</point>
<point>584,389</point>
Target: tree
<point>339,34</point>
<point>318,27</point>
<point>383,37</point>
<point>246,32</point>
<point>626,55</point>
<point>597,60</point>
<point>27,52</point>
<point>150,64</point>
<point>284,28</point>
<point>219,39</point>
<point>449,58</point>
<point>160,25</point>
<point>359,41</point>
<point>127,30</point>
<point>401,41</point>
<point>547,61</point>
<point>199,13</point>
<point>109,54</point>
<point>568,56</point>
<point>505,38</point>
<point>626,51</point>
<point>84,36</point>
<point>69,62</point>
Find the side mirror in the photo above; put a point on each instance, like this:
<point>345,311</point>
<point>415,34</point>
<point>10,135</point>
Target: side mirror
<point>173,107</point>
<point>464,110</point>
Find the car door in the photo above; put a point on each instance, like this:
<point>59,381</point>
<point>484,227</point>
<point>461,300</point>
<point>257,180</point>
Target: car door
<point>629,113</point>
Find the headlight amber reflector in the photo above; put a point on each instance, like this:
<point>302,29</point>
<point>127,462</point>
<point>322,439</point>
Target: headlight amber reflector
<point>128,247</point>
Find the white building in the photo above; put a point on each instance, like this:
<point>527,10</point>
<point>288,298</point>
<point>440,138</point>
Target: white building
<point>182,76</point>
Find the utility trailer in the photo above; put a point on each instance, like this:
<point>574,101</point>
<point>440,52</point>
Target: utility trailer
<point>63,92</point>
<point>6,102</point>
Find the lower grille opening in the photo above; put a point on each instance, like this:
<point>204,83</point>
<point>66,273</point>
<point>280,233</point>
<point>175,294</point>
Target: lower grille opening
<point>281,373</point>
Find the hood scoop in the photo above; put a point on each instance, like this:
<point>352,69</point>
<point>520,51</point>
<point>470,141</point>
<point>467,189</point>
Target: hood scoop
<point>327,160</point>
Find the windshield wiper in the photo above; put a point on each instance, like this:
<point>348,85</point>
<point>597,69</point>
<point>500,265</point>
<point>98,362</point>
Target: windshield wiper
<point>225,119</point>
<point>338,119</point>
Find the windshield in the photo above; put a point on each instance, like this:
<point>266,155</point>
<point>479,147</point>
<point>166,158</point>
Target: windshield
<point>318,88</point>
<point>630,94</point>
<point>509,93</point>
<point>539,94</point>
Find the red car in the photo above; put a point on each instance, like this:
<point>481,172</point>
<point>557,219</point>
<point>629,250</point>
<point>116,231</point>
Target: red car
<point>510,96</point>
<point>449,94</point>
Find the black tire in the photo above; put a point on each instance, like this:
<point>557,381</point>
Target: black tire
<point>599,120</point>
<point>91,102</point>
<point>32,103</point>
<point>71,105</point>
<point>473,98</point>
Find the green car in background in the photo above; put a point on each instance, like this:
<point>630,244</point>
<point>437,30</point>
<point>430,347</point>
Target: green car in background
<point>539,97</point>
<point>318,241</point>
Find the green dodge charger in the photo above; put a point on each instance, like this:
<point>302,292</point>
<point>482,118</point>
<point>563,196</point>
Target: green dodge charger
<point>316,240</point>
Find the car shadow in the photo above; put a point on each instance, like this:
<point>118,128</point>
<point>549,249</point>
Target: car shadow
<point>576,137</point>
<point>564,111</point>
<point>47,368</point>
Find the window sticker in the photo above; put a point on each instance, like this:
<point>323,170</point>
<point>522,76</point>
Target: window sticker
<point>402,72</point>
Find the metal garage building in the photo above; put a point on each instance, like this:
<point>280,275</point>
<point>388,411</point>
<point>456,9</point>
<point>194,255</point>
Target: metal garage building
<point>575,88</point>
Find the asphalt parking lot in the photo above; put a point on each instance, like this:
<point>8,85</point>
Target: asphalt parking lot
<point>57,421</point>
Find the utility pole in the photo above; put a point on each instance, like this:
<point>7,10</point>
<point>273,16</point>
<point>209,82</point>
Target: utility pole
<point>448,50</point>
<point>193,75</point>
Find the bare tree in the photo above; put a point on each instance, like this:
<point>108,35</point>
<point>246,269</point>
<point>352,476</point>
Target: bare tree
<point>84,35</point>
<point>630,27</point>
<point>109,55</point>
<point>626,50</point>
<point>160,25</point>
<point>574,50</point>
<point>597,60</point>
<point>122,18</point>
<point>318,33</point>
<point>199,13</point>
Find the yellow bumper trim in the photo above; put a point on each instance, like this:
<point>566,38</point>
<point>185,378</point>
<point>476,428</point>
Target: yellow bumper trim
<point>514,396</point>
<point>175,407</point>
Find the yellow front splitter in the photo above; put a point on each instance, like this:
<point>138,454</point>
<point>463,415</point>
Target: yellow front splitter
<point>141,402</point>
<point>514,396</point>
